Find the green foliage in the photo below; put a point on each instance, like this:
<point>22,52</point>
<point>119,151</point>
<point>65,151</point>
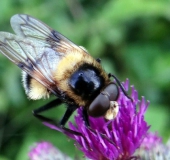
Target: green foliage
<point>133,39</point>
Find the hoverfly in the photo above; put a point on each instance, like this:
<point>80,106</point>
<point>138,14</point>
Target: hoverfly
<point>52,64</point>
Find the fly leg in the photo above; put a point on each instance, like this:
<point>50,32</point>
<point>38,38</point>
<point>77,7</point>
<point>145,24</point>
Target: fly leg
<point>61,125</point>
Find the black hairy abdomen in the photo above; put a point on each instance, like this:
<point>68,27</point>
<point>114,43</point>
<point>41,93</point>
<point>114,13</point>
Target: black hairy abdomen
<point>28,81</point>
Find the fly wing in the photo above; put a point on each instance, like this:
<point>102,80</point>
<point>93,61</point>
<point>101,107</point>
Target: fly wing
<point>29,27</point>
<point>37,59</point>
<point>36,49</point>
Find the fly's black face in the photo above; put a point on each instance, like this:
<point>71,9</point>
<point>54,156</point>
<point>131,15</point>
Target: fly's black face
<point>86,82</point>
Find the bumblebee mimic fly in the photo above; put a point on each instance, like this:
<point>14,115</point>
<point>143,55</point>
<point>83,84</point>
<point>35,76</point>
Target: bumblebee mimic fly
<point>52,64</point>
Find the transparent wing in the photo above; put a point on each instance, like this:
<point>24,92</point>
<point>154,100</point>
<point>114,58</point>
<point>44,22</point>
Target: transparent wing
<point>31,56</point>
<point>29,27</point>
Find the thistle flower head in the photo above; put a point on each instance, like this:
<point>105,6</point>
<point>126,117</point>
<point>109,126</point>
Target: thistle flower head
<point>152,148</point>
<point>115,139</point>
<point>150,141</point>
<point>46,151</point>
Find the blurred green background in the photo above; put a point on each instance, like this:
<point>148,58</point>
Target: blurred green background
<point>132,37</point>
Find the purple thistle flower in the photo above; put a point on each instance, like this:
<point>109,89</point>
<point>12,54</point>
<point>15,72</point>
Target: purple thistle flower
<point>152,148</point>
<point>46,151</point>
<point>116,139</point>
<point>150,141</point>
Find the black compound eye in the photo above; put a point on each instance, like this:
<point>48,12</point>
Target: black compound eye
<point>99,106</point>
<point>101,103</point>
<point>112,91</point>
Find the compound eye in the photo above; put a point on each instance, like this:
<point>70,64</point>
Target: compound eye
<point>102,103</point>
<point>112,91</point>
<point>99,106</point>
